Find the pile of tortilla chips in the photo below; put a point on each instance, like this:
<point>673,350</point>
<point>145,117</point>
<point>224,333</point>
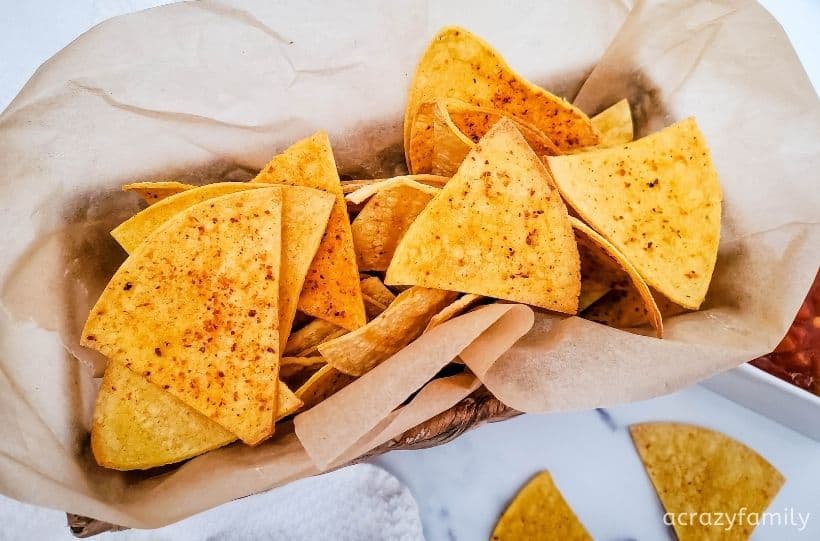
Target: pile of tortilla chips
<point>241,303</point>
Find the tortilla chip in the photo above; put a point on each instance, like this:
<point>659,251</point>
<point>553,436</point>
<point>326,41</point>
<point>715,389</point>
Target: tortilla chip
<point>136,229</point>
<point>695,470</point>
<point>625,308</point>
<point>195,310</point>
<point>309,336</point>
<point>322,384</point>
<point>359,351</point>
<point>497,229</point>
<point>292,366</point>
<point>373,287</point>
<point>456,309</point>
<point>458,64</point>
<point>138,426</point>
<point>331,290</point>
<point>591,291</point>
<point>658,200</point>
<point>615,125</point>
<point>436,181</point>
<point>457,127</point>
<point>305,213</point>
<point>603,265</point>
<point>153,192</point>
<point>539,513</point>
<point>381,224</point>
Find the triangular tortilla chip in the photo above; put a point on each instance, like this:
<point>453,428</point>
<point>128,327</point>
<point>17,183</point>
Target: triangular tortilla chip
<point>658,200</point>
<point>539,513</point>
<point>373,287</point>
<point>195,310</point>
<point>138,426</point>
<point>382,222</point>
<point>357,352</point>
<point>602,263</point>
<point>696,470</point>
<point>153,192</point>
<point>614,124</point>
<point>305,213</point>
<point>457,127</point>
<point>460,65</point>
<point>331,290</point>
<point>309,336</point>
<point>497,229</point>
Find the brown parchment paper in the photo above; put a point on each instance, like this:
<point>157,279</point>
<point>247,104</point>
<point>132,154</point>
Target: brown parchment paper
<point>208,91</point>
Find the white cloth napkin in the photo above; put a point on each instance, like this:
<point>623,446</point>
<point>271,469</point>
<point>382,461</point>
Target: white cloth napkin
<point>358,503</point>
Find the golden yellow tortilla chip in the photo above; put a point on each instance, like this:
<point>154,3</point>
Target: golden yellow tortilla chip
<point>382,222</point>
<point>626,308</point>
<point>498,229</point>
<point>457,127</point>
<point>322,384</point>
<point>305,214</point>
<point>614,124</point>
<point>369,190</point>
<point>291,367</point>
<point>136,229</point>
<point>695,470</point>
<point>458,64</point>
<point>309,336</point>
<point>455,309</point>
<point>195,310</point>
<point>359,351</point>
<point>331,289</point>
<point>153,192</point>
<point>602,263</point>
<point>137,425</point>
<point>539,513</point>
<point>658,200</point>
<point>591,291</point>
<point>350,186</point>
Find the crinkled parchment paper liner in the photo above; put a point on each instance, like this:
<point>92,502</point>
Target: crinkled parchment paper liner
<point>209,91</point>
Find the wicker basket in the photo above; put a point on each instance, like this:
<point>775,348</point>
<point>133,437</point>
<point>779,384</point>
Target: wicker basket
<point>478,408</point>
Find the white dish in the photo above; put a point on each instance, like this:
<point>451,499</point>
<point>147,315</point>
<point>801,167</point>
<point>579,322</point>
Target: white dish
<point>779,400</point>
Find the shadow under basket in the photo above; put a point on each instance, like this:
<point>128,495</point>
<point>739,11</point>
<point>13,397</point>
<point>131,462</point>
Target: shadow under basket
<point>478,408</point>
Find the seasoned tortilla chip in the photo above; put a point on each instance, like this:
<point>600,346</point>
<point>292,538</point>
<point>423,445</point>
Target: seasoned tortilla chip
<point>695,470</point>
<point>309,336</point>
<point>455,309</point>
<point>626,308</point>
<point>137,425</point>
<point>322,384</point>
<point>614,124</point>
<point>331,289</point>
<point>602,263</point>
<point>404,320</point>
<point>658,200</point>
<point>497,229</point>
<point>458,64</point>
<point>350,186</point>
<point>136,229</point>
<point>305,214</point>
<point>457,127</point>
<point>366,192</point>
<point>194,310</point>
<point>382,222</point>
<point>539,513</point>
<point>153,192</point>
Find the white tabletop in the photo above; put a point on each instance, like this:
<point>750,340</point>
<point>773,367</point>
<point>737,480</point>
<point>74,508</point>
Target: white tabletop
<point>462,487</point>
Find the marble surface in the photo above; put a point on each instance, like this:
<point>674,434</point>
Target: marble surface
<point>461,487</point>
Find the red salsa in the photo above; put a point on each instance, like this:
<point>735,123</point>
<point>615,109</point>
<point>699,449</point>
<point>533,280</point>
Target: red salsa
<point>797,358</point>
